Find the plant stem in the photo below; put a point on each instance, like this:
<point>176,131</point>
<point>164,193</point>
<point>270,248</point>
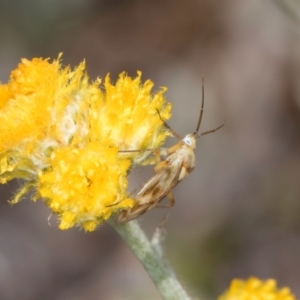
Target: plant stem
<point>152,260</point>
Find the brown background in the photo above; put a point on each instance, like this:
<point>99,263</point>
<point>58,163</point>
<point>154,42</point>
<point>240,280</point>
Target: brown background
<point>238,213</point>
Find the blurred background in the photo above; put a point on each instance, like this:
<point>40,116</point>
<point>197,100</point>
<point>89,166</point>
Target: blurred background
<point>238,214</point>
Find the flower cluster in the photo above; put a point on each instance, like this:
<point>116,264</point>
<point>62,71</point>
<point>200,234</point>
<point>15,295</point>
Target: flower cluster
<point>254,288</point>
<point>65,137</point>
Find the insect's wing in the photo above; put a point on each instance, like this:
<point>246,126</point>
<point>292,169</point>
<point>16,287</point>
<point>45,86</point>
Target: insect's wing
<point>157,187</point>
<point>153,191</point>
<point>135,212</point>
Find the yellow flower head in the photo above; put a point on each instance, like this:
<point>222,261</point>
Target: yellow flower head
<point>66,137</point>
<point>256,289</point>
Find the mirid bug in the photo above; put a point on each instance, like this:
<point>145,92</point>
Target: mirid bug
<point>177,162</point>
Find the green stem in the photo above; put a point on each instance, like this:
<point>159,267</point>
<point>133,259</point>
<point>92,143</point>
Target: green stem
<point>152,260</point>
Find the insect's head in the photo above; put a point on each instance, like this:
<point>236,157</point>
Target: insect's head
<point>190,140</point>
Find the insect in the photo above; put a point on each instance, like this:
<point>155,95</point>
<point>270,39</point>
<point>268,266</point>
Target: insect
<point>177,163</point>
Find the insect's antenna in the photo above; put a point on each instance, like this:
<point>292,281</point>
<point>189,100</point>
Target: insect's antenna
<point>210,131</point>
<point>169,127</point>
<point>202,109</point>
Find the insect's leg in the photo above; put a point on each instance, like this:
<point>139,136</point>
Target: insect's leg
<point>139,150</point>
<point>111,205</point>
<point>171,199</point>
<point>149,160</point>
<point>160,154</point>
<point>174,148</point>
<point>161,165</point>
<point>158,235</point>
<point>157,156</point>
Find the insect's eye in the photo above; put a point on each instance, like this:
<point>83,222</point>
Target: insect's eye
<point>187,141</point>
